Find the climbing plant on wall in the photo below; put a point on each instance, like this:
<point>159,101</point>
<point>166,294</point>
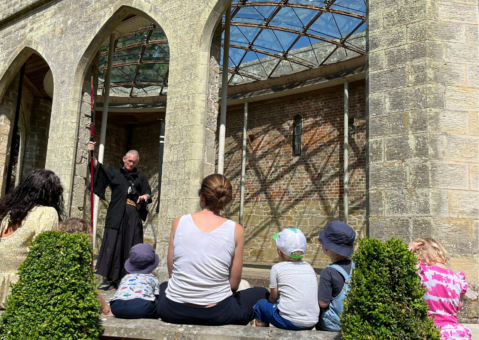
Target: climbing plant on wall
<point>385,300</point>
<point>55,297</point>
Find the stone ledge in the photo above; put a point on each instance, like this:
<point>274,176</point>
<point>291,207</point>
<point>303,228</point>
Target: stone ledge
<point>157,330</point>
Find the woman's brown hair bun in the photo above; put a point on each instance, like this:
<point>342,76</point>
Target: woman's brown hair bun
<point>217,191</point>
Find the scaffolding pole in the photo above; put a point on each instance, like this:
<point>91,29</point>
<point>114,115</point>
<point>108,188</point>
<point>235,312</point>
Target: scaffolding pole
<point>224,93</point>
<point>104,122</point>
<point>346,151</point>
<point>243,163</point>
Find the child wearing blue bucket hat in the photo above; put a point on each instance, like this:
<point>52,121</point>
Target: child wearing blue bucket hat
<point>293,287</point>
<point>337,240</point>
<point>136,297</point>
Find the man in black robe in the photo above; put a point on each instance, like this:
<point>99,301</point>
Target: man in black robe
<point>130,192</point>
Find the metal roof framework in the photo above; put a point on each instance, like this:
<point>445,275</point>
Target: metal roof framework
<point>267,38</point>
<point>281,27</point>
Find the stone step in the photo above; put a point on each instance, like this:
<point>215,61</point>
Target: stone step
<point>157,330</point>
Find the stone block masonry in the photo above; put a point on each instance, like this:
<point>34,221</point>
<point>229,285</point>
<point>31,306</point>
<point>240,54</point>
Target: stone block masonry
<point>423,107</point>
<point>69,46</point>
<point>7,116</point>
<point>283,190</point>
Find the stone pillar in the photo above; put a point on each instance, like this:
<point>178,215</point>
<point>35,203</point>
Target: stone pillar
<point>7,117</point>
<point>423,102</point>
<point>82,160</point>
<point>190,150</point>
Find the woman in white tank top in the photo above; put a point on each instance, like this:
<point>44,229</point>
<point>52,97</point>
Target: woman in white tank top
<point>205,261</point>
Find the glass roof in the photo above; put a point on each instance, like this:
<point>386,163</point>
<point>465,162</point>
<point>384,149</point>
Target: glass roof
<point>140,64</point>
<point>268,39</point>
<point>274,38</point>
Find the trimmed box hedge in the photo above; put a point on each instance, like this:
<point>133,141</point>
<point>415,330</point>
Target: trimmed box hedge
<point>386,296</point>
<point>55,297</point>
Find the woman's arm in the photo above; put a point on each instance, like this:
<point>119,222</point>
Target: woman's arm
<point>237,260</point>
<point>169,259</point>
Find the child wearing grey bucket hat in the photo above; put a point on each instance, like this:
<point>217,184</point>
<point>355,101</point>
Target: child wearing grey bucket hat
<point>337,241</point>
<point>136,297</point>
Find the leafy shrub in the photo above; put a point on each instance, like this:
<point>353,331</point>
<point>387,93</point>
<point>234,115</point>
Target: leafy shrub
<point>385,300</point>
<point>55,297</point>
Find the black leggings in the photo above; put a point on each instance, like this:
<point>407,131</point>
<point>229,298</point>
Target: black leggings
<point>234,310</point>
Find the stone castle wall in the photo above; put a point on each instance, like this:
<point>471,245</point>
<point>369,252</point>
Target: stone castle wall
<point>423,95</point>
<point>283,190</point>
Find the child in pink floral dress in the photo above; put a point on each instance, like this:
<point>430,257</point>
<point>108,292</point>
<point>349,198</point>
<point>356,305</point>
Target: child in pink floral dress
<point>445,289</point>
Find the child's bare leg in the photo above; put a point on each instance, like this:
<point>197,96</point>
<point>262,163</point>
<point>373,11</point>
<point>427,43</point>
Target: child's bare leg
<point>105,308</point>
<point>260,323</point>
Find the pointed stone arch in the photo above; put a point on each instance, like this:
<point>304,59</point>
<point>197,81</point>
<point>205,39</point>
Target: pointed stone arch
<point>18,58</point>
<point>9,87</point>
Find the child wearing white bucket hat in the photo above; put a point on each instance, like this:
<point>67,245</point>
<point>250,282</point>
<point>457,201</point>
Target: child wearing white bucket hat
<point>293,287</point>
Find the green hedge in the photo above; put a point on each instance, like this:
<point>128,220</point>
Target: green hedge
<point>385,300</point>
<point>55,297</point>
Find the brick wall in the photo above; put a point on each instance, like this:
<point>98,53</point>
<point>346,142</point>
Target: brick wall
<point>304,191</point>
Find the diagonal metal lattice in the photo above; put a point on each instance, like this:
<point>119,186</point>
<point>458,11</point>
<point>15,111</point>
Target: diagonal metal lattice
<point>292,33</point>
<point>268,39</point>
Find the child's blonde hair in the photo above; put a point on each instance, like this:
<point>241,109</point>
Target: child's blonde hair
<point>431,252</point>
<point>74,225</point>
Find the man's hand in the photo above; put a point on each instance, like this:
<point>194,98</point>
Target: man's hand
<point>142,198</point>
<point>91,146</point>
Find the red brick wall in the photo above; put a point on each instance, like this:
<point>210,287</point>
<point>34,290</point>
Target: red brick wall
<point>304,191</point>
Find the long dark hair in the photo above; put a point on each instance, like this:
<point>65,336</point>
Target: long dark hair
<point>40,187</point>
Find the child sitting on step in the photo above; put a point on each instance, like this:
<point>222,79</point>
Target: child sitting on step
<point>337,241</point>
<point>136,297</point>
<point>293,286</point>
<point>445,289</point>
<point>77,225</point>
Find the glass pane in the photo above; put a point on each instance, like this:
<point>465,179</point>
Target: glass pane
<point>249,14</point>
<point>131,39</point>
<point>158,34</point>
<point>305,15</point>
<point>122,91</point>
<point>355,6</point>
<point>104,48</point>
<point>157,52</point>
<point>130,55</point>
<point>286,17</point>
<point>144,91</point>
<point>103,61</point>
<point>124,74</point>
<point>304,50</point>
<point>326,27</point>
<point>253,66</point>
<point>346,24</point>
<point>267,40</point>
<point>152,73</point>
